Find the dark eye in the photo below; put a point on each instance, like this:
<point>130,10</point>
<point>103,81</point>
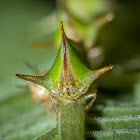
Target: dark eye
<point>64,94</point>
<point>73,93</point>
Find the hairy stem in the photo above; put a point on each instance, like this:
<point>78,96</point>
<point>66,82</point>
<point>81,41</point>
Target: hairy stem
<point>72,121</point>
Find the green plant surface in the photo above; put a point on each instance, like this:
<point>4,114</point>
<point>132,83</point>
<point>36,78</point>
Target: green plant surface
<point>20,118</point>
<point>23,119</point>
<point>131,134</point>
<point>51,135</point>
<point>115,114</point>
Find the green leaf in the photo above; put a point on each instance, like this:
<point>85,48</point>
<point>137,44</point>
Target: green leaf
<point>51,134</point>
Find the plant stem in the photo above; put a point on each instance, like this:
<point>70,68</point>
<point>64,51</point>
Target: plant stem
<point>72,121</point>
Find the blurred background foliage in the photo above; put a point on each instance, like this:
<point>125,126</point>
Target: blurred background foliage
<point>25,22</point>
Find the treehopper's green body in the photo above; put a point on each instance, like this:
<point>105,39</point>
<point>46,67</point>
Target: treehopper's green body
<point>69,77</point>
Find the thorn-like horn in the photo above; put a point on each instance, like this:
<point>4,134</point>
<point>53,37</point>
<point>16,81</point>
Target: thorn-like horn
<point>35,79</point>
<point>99,72</point>
<point>64,54</point>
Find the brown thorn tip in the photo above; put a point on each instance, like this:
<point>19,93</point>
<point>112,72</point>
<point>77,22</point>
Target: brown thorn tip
<point>22,76</point>
<point>63,36</point>
<point>19,75</point>
<point>61,24</point>
<point>111,66</point>
<point>62,28</point>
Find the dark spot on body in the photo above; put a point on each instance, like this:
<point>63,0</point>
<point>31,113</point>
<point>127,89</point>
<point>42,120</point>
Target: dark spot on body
<point>68,90</point>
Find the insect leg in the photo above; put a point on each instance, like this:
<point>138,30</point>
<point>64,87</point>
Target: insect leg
<point>89,105</point>
<point>55,107</point>
<point>87,97</point>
